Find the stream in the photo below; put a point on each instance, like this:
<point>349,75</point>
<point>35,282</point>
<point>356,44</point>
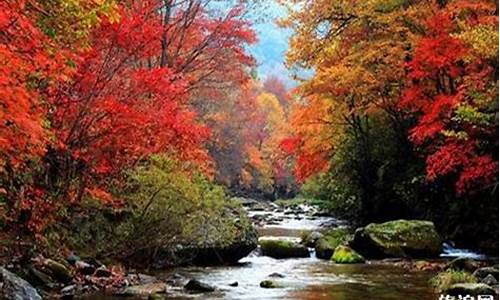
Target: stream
<point>304,278</point>
<point>308,278</point>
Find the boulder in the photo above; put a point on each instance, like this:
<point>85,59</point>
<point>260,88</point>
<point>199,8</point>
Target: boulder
<point>13,287</point>
<point>482,273</point>
<point>325,246</point>
<point>310,239</point>
<point>345,255</point>
<point>269,284</point>
<point>464,264</point>
<point>472,289</point>
<point>401,238</point>
<point>283,248</point>
<point>242,240</point>
<point>276,275</point>
<point>58,271</point>
<point>143,289</point>
<point>197,286</point>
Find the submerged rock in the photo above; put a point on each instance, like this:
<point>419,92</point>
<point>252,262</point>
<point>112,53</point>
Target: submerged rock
<point>269,284</point>
<point>13,287</point>
<point>197,286</point>
<point>283,248</point>
<point>144,289</point>
<point>401,238</point>
<point>345,255</point>
<point>472,289</point>
<point>234,284</point>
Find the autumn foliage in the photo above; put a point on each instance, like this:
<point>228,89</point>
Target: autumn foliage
<point>91,88</point>
<point>452,81</point>
<point>248,128</point>
<point>434,65</point>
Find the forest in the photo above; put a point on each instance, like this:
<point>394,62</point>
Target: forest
<point>140,135</point>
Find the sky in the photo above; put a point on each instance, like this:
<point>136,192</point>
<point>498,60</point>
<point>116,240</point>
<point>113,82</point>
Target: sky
<point>272,44</point>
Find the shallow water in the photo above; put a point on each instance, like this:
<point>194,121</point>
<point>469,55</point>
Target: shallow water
<point>311,278</point>
<point>305,278</point>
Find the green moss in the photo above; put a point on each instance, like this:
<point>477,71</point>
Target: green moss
<point>282,249</point>
<point>331,239</point>
<point>345,255</point>
<point>396,236</point>
<point>444,280</point>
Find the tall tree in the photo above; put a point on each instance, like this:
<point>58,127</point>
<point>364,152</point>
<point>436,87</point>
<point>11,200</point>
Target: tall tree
<point>453,89</point>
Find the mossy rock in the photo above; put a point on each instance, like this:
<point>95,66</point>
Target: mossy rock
<point>269,284</point>
<point>237,238</point>
<point>400,238</point>
<point>325,246</point>
<point>282,248</point>
<point>345,255</point>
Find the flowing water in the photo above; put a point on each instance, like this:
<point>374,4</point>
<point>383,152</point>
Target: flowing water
<point>306,278</point>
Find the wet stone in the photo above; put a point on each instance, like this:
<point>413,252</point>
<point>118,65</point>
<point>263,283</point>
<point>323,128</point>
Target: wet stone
<point>234,284</point>
<point>197,286</point>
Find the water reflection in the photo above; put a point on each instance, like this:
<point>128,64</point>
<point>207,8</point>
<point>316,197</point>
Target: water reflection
<point>310,278</point>
<point>304,278</point>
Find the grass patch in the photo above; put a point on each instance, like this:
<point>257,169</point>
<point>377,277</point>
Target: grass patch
<point>444,280</point>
